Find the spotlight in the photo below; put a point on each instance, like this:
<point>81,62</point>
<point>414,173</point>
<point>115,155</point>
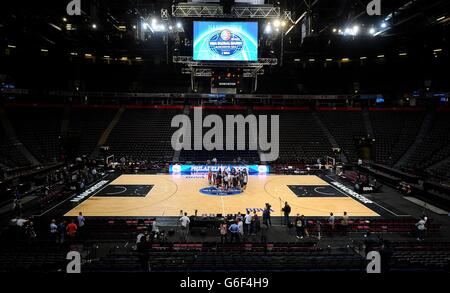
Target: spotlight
<point>352,31</point>
<point>145,26</point>
<point>179,25</point>
<point>153,21</point>
<point>372,31</point>
<point>276,23</point>
<point>283,23</point>
<point>94,26</point>
<point>334,30</point>
<point>64,19</point>
<point>383,25</point>
<point>268,29</point>
<point>170,27</point>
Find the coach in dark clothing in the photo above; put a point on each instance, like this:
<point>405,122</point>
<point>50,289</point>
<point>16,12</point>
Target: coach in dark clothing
<point>386,256</point>
<point>298,226</point>
<point>264,232</point>
<point>142,249</point>
<point>286,210</point>
<point>371,242</point>
<point>266,215</point>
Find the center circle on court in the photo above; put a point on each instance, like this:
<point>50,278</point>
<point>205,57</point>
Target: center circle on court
<point>214,191</point>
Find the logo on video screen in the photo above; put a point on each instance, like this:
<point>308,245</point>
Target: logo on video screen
<point>176,169</point>
<point>262,169</point>
<point>225,43</point>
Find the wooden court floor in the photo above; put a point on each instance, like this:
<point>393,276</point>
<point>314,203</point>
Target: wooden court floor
<point>172,193</point>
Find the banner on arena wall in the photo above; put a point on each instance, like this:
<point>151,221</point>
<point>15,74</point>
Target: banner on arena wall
<point>189,169</point>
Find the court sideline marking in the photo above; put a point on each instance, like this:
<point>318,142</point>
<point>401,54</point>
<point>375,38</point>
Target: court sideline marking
<point>223,206</point>
<point>76,194</point>
<point>371,200</point>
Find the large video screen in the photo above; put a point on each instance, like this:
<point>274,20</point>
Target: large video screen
<point>225,41</point>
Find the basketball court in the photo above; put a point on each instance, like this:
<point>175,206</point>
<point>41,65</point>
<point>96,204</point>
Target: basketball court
<point>166,195</point>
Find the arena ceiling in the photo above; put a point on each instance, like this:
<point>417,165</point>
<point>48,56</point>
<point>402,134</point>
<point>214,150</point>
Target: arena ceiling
<point>40,23</point>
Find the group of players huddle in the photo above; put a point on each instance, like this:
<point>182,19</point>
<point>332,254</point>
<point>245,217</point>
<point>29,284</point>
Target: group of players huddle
<point>228,179</point>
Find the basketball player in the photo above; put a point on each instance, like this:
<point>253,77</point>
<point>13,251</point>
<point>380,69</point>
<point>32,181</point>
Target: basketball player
<point>225,180</point>
<point>209,177</point>
<point>244,181</point>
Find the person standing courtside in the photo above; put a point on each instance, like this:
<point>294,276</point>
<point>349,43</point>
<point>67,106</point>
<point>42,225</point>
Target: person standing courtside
<point>420,225</point>
<point>53,231</point>
<point>247,223</point>
<point>71,231</point>
<point>184,220</point>
<point>299,227</point>
<point>305,226</point>
<point>81,221</point>
<point>256,224</point>
<point>143,253</point>
<point>344,224</point>
<point>241,229</point>
<point>62,231</point>
<point>264,232</point>
<point>286,210</point>
<point>223,232</point>
<point>234,231</point>
<point>266,215</point>
<point>331,221</point>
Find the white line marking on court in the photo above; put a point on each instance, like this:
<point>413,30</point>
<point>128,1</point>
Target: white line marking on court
<point>426,205</point>
<point>321,192</point>
<point>57,205</point>
<point>223,206</point>
<point>117,192</point>
<point>390,211</point>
